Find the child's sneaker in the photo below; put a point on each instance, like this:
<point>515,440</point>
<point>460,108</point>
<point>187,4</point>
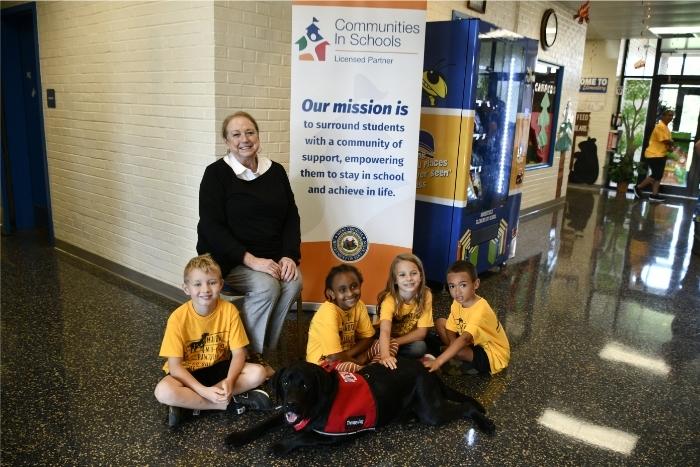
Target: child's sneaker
<point>177,415</point>
<point>257,358</point>
<point>235,407</point>
<point>637,192</point>
<point>255,399</point>
<point>227,290</point>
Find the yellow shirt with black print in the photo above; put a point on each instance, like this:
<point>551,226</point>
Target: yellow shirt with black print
<point>334,330</point>
<point>481,322</point>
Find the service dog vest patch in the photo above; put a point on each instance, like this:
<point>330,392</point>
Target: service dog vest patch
<point>353,409</point>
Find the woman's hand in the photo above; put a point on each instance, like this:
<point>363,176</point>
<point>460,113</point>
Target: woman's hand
<point>288,269</point>
<point>265,265</point>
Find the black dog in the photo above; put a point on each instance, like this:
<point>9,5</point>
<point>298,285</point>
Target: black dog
<point>319,408</point>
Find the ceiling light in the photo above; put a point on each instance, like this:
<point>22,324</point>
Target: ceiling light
<point>597,435</point>
<point>674,30</point>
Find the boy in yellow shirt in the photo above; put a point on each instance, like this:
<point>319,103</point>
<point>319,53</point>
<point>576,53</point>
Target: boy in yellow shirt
<point>204,344</point>
<point>472,333</point>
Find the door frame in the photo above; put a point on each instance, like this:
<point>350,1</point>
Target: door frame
<point>691,190</point>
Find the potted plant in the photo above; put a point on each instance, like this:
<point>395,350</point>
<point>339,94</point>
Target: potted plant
<point>622,170</point>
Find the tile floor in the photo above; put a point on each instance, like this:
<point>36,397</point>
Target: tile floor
<point>600,302</point>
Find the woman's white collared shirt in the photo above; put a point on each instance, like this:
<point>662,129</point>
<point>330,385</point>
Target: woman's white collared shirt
<point>243,172</point>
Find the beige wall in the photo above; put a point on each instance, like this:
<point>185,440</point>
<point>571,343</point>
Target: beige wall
<point>253,70</point>
<point>132,127</point>
<point>141,89</point>
<point>600,61</point>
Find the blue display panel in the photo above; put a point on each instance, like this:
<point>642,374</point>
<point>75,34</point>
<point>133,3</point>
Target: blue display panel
<point>476,105</point>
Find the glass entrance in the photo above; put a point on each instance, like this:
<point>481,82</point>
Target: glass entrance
<point>683,95</point>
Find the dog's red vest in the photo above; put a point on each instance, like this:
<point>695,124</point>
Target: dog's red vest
<point>353,409</point>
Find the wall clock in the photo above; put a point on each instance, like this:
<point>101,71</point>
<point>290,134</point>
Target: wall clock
<point>548,29</point>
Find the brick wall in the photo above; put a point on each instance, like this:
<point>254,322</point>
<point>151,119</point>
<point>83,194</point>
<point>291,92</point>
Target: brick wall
<point>524,18</point>
<point>132,128</point>
<point>253,71</point>
<point>141,90</point>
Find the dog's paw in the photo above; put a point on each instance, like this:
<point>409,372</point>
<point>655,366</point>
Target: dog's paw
<point>280,449</point>
<point>235,440</point>
<point>483,422</point>
<point>487,425</point>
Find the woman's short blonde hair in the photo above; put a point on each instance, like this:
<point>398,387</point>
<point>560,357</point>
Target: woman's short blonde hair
<point>240,113</point>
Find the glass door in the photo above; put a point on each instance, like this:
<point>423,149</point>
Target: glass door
<point>682,94</point>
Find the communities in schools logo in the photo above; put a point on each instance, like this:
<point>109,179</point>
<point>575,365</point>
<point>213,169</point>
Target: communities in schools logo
<point>349,243</point>
<point>312,46</point>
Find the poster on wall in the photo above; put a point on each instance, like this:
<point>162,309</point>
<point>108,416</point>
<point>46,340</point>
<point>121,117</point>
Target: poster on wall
<point>354,124</point>
<point>542,118</point>
<point>599,85</point>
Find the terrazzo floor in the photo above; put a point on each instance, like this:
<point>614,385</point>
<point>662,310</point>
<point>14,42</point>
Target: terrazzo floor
<point>600,303</point>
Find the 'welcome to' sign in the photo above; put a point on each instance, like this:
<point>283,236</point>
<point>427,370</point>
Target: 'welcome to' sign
<point>593,85</point>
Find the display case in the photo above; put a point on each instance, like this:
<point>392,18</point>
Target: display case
<point>477,100</point>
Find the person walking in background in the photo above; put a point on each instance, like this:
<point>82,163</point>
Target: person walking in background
<point>660,143</point>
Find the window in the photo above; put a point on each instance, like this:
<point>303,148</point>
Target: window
<point>671,64</point>
<point>691,67</point>
<point>633,109</point>
<point>499,93</point>
<point>680,56</point>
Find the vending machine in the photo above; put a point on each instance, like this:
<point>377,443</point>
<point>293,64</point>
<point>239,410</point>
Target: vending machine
<point>475,117</point>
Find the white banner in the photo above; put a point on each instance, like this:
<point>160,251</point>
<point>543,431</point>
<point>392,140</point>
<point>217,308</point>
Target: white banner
<point>355,115</point>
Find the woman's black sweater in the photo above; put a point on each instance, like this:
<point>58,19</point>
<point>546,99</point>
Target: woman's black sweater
<point>237,216</point>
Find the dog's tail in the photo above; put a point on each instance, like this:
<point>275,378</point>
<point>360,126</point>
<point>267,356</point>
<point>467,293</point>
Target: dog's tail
<point>456,396</point>
<point>482,421</point>
<point>240,438</point>
<point>476,411</point>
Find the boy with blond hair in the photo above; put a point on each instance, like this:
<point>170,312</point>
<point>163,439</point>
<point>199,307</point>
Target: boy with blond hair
<point>204,344</point>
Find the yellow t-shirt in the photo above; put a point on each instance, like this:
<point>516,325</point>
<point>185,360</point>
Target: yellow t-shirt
<point>657,148</point>
<point>334,330</point>
<point>481,322</point>
<point>405,319</point>
<point>202,341</point>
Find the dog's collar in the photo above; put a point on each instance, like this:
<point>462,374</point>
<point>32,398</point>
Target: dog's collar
<point>301,424</point>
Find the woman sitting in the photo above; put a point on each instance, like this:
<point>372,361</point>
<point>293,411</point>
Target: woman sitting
<point>249,223</point>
